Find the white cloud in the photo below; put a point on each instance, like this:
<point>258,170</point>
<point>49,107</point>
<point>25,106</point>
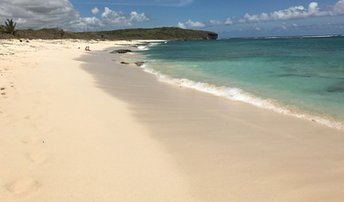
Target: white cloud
<point>91,21</point>
<point>37,13</point>
<point>228,21</point>
<point>113,17</point>
<point>215,22</point>
<point>258,28</point>
<point>294,12</point>
<point>141,3</point>
<point>313,8</point>
<point>338,9</point>
<point>138,17</point>
<point>61,13</point>
<point>95,11</point>
<point>181,25</point>
<point>191,24</point>
<point>118,18</point>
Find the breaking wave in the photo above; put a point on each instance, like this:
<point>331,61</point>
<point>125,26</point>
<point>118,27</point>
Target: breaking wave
<point>237,94</point>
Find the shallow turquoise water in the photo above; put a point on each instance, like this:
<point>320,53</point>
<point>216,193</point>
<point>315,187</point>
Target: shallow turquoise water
<point>300,74</point>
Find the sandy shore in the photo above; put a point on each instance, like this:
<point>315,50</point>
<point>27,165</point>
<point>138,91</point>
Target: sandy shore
<point>63,139</point>
<point>230,151</point>
<point>81,126</point>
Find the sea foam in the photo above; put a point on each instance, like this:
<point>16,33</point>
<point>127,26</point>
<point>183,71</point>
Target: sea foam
<point>142,48</point>
<point>237,94</point>
<point>146,47</point>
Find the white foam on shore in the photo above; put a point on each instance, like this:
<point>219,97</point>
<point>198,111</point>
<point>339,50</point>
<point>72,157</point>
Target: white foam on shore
<point>146,47</point>
<point>237,94</point>
<point>142,48</point>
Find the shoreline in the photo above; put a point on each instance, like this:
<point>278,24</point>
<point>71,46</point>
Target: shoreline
<point>238,94</point>
<point>81,126</point>
<point>226,148</point>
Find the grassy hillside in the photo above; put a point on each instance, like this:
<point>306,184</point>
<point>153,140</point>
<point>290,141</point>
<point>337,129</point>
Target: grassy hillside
<point>167,33</point>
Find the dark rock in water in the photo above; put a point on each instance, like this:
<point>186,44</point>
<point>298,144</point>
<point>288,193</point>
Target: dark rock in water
<point>124,63</point>
<point>121,51</point>
<point>339,88</point>
<point>295,75</point>
<point>335,89</point>
<point>139,64</point>
<point>211,36</point>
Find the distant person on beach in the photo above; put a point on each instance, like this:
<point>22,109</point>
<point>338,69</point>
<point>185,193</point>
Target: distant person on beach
<point>87,48</point>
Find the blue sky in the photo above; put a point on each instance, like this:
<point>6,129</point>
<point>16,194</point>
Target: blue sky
<point>229,18</point>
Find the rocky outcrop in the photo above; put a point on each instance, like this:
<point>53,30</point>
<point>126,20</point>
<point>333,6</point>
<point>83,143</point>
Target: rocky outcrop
<point>121,51</point>
<point>212,36</point>
<point>139,64</point>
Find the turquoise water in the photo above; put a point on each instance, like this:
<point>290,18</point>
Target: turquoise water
<point>300,76</point>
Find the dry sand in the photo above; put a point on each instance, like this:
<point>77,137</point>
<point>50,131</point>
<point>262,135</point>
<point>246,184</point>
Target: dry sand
<point>80,126</point>
<point>63,139</point>
<point>230,151</point>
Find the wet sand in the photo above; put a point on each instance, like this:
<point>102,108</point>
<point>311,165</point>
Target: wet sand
<point>228,151</point>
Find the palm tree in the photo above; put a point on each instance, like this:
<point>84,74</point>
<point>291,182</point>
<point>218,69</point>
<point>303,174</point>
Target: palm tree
<point>10,26</point>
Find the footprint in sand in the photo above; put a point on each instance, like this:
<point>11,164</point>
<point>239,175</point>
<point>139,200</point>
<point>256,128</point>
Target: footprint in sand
<point>31,140</point>
<point>23,186</point>
<point>2,91</point>
<point>37,157</point>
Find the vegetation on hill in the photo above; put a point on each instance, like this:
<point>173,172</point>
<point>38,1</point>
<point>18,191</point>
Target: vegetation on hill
<point>164,33</point>
<point>158,33</point>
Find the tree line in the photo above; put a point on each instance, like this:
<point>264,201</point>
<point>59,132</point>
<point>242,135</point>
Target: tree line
<point>8,30</point>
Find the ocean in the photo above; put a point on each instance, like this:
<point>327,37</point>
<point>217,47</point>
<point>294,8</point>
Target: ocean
<point>302,77</point>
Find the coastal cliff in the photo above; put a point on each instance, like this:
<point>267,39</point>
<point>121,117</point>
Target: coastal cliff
<point>163,33</point>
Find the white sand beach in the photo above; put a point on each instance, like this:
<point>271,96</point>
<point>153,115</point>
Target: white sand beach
<point>81,126</point>
<point>63,139</point>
